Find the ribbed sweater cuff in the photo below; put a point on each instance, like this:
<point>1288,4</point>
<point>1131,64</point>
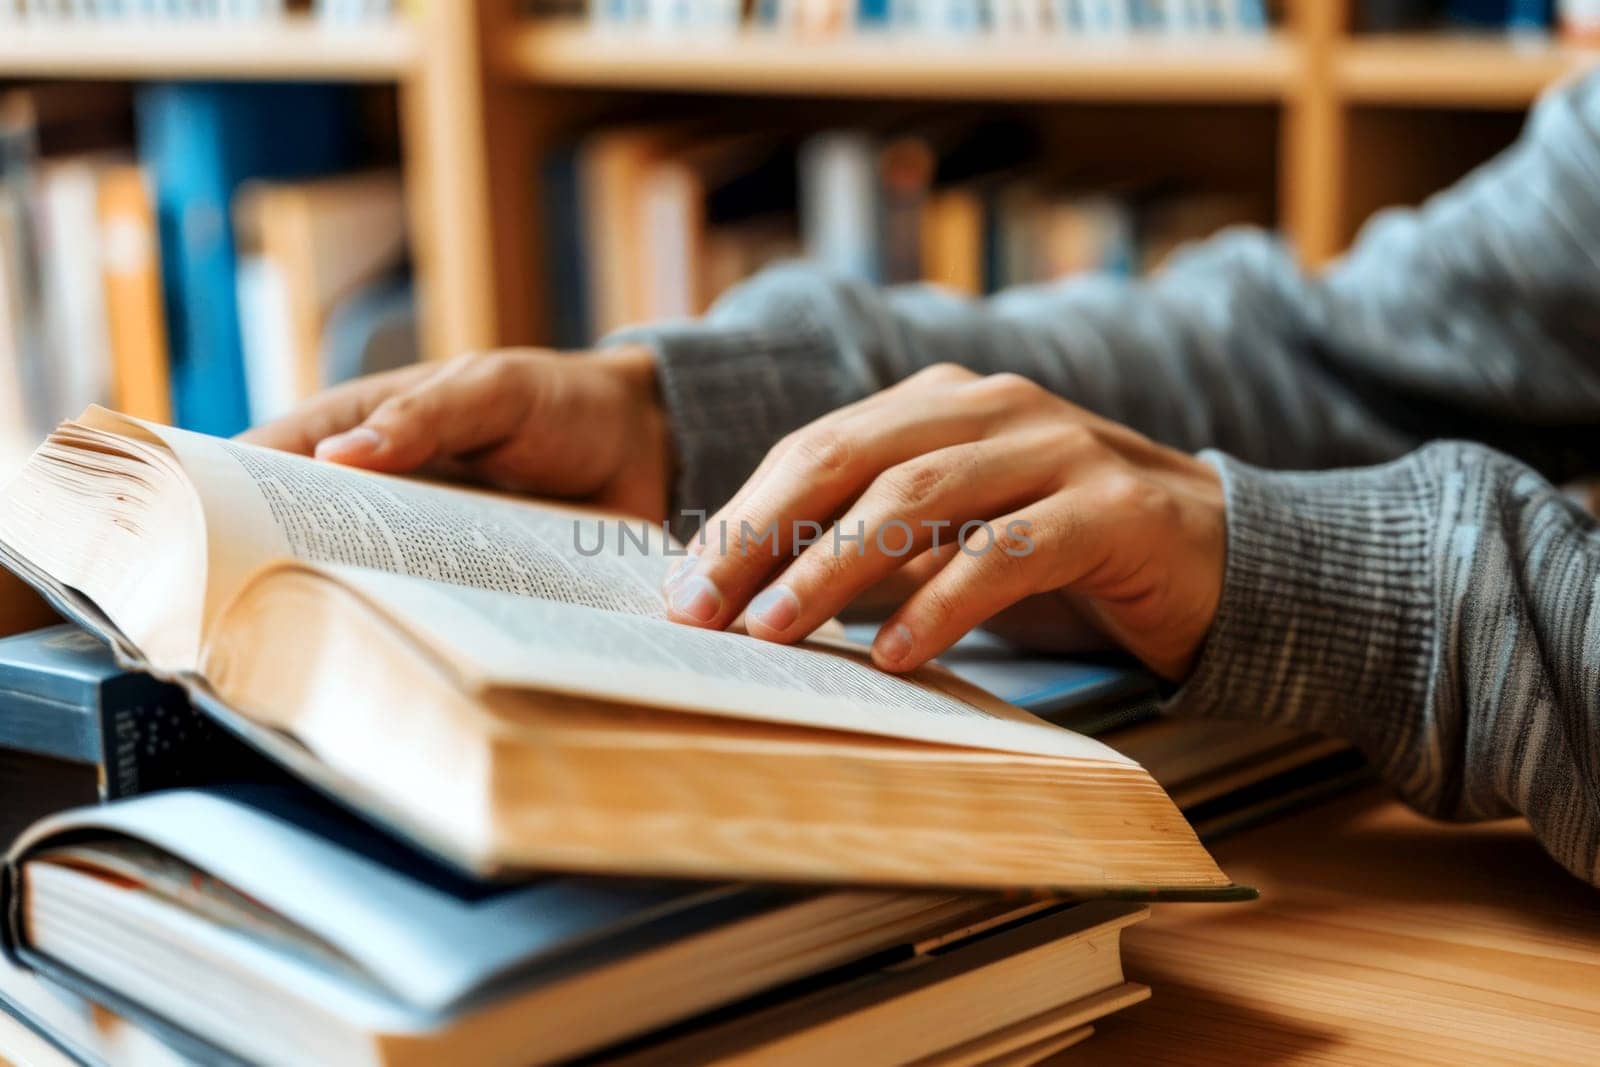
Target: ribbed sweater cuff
<point>1326,620</point>
<point>731,392</point>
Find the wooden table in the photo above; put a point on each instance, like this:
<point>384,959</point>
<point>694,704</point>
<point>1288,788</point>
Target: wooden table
<point>1380,937</point>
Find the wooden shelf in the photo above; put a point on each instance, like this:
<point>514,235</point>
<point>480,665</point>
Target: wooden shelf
<point>1434,70</point>
<point>752,62</point>
<point>291,50</point>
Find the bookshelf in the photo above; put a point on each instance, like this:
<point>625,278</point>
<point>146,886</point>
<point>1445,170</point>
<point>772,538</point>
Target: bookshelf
<point>1323,80</point>
<point>296,48</point>
<point>483,91</point>
<point>430,59</point>
<point>572,55</point>
<point>1442,71</point>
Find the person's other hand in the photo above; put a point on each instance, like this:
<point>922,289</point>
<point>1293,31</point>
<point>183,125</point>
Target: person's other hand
<point>586,426</point>
<point>1026,494</point>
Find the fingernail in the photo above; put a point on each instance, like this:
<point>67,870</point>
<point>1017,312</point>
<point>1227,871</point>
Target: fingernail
<point>357,442</point>
<point>893,644</point>
<point>776,608</point>
<point>697,598</point>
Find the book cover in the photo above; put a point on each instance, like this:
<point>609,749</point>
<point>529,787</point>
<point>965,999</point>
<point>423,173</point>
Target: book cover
<point>75,728</point>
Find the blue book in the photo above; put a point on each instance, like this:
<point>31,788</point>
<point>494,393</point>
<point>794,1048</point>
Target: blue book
<point>1087,694</point>
<point>1521,15</point>
<point>200,141</point>
<point>76,728</point>
<point>571,306</point>
<point>872,13</point>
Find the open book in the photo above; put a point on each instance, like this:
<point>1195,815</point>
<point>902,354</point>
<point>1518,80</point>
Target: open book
<point>496,679</point>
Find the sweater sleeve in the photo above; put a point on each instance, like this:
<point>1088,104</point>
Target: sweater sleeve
<point>1441,611</point>
<point>1477,315</point>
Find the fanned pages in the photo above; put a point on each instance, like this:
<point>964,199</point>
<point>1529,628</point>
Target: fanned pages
<point>495,678</point>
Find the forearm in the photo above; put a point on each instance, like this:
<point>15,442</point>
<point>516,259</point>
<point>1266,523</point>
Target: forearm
<point>1438,611</point>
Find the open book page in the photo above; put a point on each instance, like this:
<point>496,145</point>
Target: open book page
<point>262,505</point>
<point>495,641</point>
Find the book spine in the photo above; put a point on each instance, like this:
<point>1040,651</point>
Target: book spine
<point>200,141</point>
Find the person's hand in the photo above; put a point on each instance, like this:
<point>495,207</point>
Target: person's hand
<point>1026,494</point>
<point>586,426</point>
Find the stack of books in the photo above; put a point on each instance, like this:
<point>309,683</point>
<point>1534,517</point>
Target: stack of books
<point>398,772</point>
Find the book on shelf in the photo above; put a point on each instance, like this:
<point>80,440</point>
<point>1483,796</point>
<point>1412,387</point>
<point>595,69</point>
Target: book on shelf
<point>200,142</point>
<point>648,218</point>
<point>614,163</point>
<point>130,266</point>
<point>68,229</point>
<point>138,13</point>
<point>305,248</point>
<point>520,701</point>
<point>55,350</point>
<point>1067,20</point>
<point>655,223</point>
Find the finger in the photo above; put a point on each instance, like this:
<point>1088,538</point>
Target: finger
<point>1028,551</point>
<point>814,473</point>
<point>932,499</point>
<point>333,411</point>
<point>469,404</point>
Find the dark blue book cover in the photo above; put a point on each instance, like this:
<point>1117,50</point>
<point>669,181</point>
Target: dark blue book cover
<point>199,141</point>
<point>565,250</point>
<point>76,728</point>
<point>873,13</point>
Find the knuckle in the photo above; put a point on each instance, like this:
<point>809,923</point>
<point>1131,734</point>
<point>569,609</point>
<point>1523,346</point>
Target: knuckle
<point>1071,436</point>
<point>821,451</point>
<point>990,561</point>
<point>1007,387</point>
<point>1013,544</point>
<point>942,374</point>
<point>823,568</point>
<point>1126,492</point>
<point>464,363</point>
<point>401,408</point>
<point>905,487</point>
<point>504,373</point>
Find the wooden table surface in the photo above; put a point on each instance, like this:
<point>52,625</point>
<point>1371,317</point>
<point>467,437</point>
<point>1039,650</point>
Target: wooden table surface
<point>1380,937</point>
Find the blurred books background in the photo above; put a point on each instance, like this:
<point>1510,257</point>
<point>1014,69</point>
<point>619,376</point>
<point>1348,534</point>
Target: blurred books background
<point>210,209</point>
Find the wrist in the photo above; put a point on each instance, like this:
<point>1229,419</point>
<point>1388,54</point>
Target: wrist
<point>646,424</point>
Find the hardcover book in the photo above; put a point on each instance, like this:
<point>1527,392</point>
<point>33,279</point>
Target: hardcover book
<point>75,728</point>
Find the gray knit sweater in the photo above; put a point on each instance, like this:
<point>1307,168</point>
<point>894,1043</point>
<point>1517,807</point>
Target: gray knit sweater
<point>1440,609</point>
